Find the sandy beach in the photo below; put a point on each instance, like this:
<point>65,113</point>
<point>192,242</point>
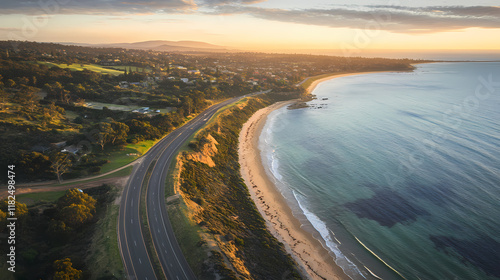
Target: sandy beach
<point>308,252</point>
<point>313,259</point>
<point>314,84</point>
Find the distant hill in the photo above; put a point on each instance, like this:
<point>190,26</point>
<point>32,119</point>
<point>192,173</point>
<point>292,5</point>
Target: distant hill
<point>162,45</point>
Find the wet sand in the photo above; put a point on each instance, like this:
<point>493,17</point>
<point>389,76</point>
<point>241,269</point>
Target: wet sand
<point>308,252</point>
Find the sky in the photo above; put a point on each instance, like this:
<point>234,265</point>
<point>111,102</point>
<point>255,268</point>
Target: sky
<point>260,24</point>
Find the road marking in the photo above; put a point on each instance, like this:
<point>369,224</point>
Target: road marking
<point>140,260</point>
<point>177,277</point>
<point>163,244</point>
<point>135,243</point>
<point>132,202</point>
<point>170,264</point>
<point>131,221</point>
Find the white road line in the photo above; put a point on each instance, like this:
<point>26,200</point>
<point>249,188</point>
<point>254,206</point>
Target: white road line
<point>135,243</point>
<point>140,260</point>
<point>131,221</point>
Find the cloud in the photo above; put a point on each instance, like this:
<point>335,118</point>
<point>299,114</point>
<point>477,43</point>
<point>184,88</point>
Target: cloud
<point>9,29</point>
<point>232,2</point>
<point>106,7</point>
<point>396,19</point>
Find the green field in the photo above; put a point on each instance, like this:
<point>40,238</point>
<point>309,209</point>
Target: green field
<point>80,67</point>
<point>131,68</point>
<point>120,173</point>
<point>122,157</point>
<point>35,198</point>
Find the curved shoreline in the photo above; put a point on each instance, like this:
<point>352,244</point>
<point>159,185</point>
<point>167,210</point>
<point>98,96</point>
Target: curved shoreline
<point>315,83</point>
<point>313,259</point>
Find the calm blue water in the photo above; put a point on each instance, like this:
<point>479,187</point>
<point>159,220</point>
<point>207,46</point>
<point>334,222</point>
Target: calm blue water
<point>397,174</point>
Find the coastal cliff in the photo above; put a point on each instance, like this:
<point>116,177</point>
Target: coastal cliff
<point>233,234</point>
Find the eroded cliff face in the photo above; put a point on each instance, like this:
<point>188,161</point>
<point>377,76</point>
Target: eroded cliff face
<point>223,244</point>
<point>207,151</point>
<point>216,200</point>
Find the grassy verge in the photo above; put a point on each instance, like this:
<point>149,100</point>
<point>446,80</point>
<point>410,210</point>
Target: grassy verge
<point>120,173</point>
<point>104,257</point>
<point>121,157</point>
<point>146,231</point>
<point>188,235</point>
<point>41,197</point>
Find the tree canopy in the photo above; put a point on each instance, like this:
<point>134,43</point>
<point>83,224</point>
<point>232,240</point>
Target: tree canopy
<point>65,270</point>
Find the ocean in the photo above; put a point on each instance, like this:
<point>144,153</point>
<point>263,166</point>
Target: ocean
<point>397,174</point>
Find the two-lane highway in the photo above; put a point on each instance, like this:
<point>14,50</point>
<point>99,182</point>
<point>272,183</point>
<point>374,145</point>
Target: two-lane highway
<point>131,241</point>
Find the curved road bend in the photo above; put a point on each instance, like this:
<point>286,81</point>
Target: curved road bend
<point>131,241</point>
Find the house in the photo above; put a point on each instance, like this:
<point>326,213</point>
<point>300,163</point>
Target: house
<point>143,110</point>
<point>70,149</point>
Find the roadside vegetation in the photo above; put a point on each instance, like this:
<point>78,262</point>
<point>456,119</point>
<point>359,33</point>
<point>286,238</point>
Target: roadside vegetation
<point>63,235</point>
<point>216,210</point>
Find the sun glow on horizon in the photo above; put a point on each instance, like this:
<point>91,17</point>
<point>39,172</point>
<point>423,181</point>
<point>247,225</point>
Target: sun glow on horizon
<point>256,29</point>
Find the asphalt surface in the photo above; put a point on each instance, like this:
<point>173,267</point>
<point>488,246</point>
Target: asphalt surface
<point>130,238</point>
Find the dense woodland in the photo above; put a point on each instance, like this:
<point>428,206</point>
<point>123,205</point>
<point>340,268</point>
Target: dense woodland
<point>50,130</point>
<point>54,239</point>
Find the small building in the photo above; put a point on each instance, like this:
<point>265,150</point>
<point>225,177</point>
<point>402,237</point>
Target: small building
<point>73,149</point>
<point>194,72</point>
<point>123,84</point>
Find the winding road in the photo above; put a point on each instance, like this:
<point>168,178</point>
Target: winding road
<point>137,262</point>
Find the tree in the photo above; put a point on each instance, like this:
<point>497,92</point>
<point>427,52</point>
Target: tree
<point>21,208</point>
<point>65,270</point>
<point>60,164</point>
<point>120,132</point>
<point>75,215</point>
<point>76,207</point>
<point>105,134</point>
<point>35,165</point>
<point>27,97</point>
<point>188,104</point>
<point>3,98</point>
<point>75,196</point>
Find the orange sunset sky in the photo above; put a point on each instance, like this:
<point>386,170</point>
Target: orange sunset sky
<point>259,25</point>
